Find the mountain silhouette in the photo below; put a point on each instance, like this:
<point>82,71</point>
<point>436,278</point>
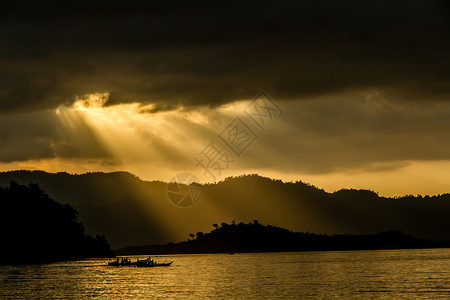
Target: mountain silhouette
<point>34,229</point>
<point>255,237</point>
<point>130,211</point>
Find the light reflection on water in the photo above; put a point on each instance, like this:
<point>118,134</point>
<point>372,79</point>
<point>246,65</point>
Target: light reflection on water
<point>350,274</point>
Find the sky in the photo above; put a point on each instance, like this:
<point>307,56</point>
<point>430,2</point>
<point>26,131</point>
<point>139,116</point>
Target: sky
<point>339,94</point>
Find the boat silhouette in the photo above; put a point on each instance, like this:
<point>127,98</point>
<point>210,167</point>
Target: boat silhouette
<point>147,262</point>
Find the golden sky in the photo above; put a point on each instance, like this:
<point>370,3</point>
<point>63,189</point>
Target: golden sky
<point>365,142</point>
<point>363,90</point>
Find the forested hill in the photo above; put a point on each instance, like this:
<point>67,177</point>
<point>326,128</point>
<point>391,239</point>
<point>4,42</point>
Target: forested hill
<point>254,237</point>
<point>35,229</point>
<point>130,211</point>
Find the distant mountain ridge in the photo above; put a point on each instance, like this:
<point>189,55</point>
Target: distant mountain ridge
<point>130,211</point>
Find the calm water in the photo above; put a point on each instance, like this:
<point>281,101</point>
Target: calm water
<point>351,274</point>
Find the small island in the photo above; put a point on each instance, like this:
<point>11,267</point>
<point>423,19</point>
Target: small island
<point>36,229</point>
<point>255,237</point>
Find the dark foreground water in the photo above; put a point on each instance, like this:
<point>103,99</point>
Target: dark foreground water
<point>390,274</point>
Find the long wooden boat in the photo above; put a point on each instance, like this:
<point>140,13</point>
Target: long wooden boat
<point>140,263</point>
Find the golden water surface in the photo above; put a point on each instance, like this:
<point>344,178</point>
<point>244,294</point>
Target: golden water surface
<point>389,274</point>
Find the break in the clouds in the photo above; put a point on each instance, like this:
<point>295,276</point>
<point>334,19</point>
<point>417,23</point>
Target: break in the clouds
<point>210,53</point>
<point>340,135</point>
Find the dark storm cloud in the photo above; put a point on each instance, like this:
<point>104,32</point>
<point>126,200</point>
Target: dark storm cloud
<point>342,133</point>
<point>203,52</point>
<point>39,135</point>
